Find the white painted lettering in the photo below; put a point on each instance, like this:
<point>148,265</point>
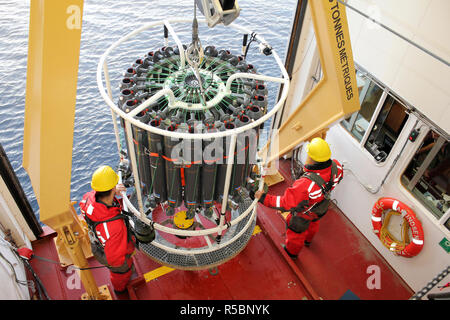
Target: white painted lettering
<point>74,20</point>
<point>374,281</point>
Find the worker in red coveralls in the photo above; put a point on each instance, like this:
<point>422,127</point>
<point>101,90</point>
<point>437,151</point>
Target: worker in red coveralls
<point>111,239</point>
<point>308,198</point>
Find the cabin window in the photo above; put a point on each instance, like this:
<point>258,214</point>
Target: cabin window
<point>369,97</point>
<point>388,125</point>
<point>427,176</point>
<point>447,224</point>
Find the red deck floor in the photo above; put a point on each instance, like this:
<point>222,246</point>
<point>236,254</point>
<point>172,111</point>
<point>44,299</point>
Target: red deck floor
<point>336,262</point>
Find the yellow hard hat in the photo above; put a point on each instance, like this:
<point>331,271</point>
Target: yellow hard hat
<point>318,150</point>
<point>104,179</point>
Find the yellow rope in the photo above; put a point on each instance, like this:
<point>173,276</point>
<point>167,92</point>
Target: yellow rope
<point>388,240</point>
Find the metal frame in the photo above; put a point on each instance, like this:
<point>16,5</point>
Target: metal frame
<point>385,94</point>
<point>420,171</point>
<point>129,116</point>
<point>374,118</point>
<point>129,120</point>
<point>362,96</point>
<point>426,162</point>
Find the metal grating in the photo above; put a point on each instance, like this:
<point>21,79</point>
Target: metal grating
<point>197,261</point>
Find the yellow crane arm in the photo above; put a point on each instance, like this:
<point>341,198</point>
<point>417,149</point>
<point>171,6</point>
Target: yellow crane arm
<point>336,95</point>
<point>52,74</point>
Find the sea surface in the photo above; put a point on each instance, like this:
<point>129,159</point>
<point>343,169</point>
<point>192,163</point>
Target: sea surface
<point>104,22</point>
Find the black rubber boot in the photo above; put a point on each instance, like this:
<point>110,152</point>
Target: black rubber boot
<point>292,256</point>
<point>121,292</point>
<point>122,295</point>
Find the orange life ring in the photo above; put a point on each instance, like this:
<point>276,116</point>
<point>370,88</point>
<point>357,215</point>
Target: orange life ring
<point>417,242</point>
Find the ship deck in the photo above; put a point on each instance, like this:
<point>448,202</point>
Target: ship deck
<point>334,267</point>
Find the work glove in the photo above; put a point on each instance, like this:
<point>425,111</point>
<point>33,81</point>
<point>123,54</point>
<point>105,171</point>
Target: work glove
<point>261,199</point>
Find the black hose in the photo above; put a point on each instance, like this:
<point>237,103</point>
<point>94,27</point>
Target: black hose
<point>244,40</point>
<point>40,286</point>
<point>252,38</point>
<point>439,296</point>
<point>59,263</point>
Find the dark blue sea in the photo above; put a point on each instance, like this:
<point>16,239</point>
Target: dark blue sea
<point>104,22</point>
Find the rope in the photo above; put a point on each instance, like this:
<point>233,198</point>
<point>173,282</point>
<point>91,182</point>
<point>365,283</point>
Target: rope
<point>388,240</point>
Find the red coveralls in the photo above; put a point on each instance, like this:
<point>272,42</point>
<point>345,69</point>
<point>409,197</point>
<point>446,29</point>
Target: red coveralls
<point>303,189</point>
<point>113,235</point>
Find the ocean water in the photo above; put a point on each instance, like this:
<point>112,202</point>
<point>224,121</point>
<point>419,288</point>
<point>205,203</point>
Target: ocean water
<point>104,22</point>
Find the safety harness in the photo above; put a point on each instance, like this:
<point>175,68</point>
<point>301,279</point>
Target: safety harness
<point>301,214</point>
<point>97,247</point>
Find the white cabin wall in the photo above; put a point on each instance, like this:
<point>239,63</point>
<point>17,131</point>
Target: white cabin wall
<point>424,83</point>
<point>12,219</point>
<point>356,202</point>
<point>421,81</point>
<point>10,290</point>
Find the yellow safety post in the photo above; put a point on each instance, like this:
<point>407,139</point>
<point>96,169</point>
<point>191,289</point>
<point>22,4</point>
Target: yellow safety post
<point>52,72</point>
<point>336,95</point>
<point>80,230</point>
